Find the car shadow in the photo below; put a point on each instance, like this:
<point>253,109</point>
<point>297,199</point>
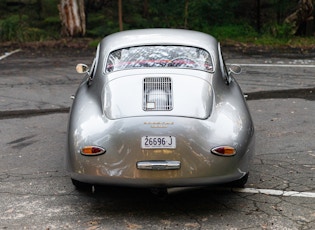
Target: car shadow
<point>175,201</point>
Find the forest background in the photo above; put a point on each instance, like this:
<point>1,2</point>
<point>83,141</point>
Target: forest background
<point>259,22</point>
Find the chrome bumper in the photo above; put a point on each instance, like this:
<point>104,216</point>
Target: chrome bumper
<point>158,165</point>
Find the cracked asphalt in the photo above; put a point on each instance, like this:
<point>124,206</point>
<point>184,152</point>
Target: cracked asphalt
<point>36,191</point>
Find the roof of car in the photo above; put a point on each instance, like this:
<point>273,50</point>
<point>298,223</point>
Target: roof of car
<point>158,37</point>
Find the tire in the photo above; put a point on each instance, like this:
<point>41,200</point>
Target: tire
<point>240,183</point>
<point>81,185</point>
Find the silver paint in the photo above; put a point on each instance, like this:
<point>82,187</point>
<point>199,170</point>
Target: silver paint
<point>209,111</point>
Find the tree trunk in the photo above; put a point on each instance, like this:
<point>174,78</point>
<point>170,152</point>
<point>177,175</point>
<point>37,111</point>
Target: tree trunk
<point>258,22</point>
<point>145,9</point>
<point>121,26</point>
<point>72,17</point>
<point>186,14</point>
<point>301,17</point>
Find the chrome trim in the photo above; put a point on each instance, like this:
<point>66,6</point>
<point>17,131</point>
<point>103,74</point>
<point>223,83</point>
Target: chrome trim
<point>158,165</point>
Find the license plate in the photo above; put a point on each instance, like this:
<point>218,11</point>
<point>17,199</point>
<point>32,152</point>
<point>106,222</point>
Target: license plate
<point>158,142</point>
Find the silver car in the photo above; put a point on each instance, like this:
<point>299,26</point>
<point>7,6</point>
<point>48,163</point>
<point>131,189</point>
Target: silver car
<point>159,108</point>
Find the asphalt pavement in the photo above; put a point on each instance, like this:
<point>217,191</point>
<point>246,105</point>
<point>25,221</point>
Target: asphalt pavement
<point>36,191</point>
<point>40,81</point>
<point>45,81</point>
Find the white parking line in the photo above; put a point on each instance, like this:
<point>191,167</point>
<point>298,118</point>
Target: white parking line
<point>9,53</point>
<point>279,65</point>
<point>273,192</point>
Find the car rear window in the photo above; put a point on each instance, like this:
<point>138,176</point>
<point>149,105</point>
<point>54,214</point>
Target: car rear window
<point>159,56</point>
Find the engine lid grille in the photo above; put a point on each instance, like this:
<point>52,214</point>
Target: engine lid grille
<point>157,94</point>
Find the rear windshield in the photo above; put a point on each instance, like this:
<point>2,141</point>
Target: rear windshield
<point>159,56</point>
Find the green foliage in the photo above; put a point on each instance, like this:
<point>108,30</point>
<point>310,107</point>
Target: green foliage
<point>16,28</point>
<point>10,27</point>
<point>218,12</point>
<point>99,26</point>
<point>34,21</point>
<point>281,31</point>
<point>240,32</point>
<point>48,8</point>
<point>94,43</point>
<point>53,25</point>
<point>224,19</point>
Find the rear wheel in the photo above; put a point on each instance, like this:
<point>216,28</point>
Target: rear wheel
<point>240,183</point>
<point>160,192</point>
<point>81,185</point>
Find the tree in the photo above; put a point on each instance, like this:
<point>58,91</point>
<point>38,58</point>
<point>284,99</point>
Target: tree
<point>301,16</point>
<point>72,15</point>
<point>186,14</point>
<point>121,27</point>
<point>258,22</point>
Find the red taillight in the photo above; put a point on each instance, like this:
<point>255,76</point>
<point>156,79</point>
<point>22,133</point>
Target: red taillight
<point>224,151</point>
<point>92,150</point>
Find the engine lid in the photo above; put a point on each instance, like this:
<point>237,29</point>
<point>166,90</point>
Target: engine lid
<point>157,95</point>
